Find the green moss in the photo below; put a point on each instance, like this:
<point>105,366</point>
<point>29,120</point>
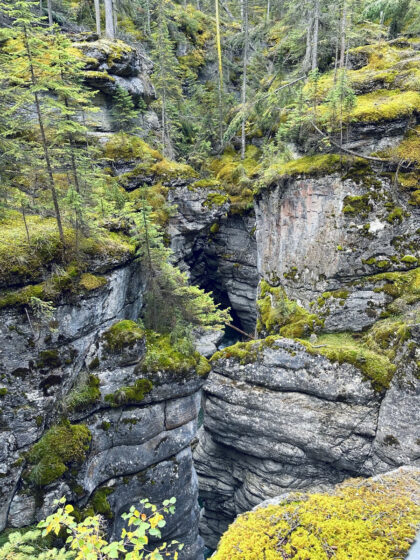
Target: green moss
<point>215,199</point>
<point>105,425</point>
<point>375,518</point>
<point>357,204</point>
<point>131,394</point>
<point>205,184</point>
<point>203,367</point>
<point>163,355</point>
<point>313,166</point>
<point>415,198</point>
<point>403,287</point>
<point>90,282</point>
<point>167,170</point>
<point>61,446</point>
<point>48,359</point>
<point>31,261</point>
<point>409,259</point>
<point>397,214</point>
<point>3,392</point>
<point>245,352</point>
<point>279,315</point>
<point>86,394</point>
<point>340,248</point>
<point>100,504</point>
<point>214,228</point>
<point>123,334</point>
<point>94,364</point>
<point>384,105</point>
<point>39,420</point>
<point>343,348</point>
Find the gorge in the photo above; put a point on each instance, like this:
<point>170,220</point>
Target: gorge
<point>315,252</point>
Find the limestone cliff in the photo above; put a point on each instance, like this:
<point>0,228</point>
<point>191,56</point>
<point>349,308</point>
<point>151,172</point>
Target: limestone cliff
<point>129,430</point>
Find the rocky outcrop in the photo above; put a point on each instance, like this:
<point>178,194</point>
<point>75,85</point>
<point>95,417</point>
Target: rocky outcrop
<point>128,430</point>
<point>379,514</point>
<point>338,253</point>
<point>290,420</point>
<point>217,249</point>
<point>320,235</point>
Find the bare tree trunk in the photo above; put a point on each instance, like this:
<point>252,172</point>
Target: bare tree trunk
<point>343,29</point>
<point>307,58</point>
<point>49,8</point>
<point>22,207</point>
<point>244,75</point>
<point>315,36</point>
<point>98,17</point>
<point>114,15</point>
<point>109,20</point>
<point>267,13</point>
<point>41,8</point>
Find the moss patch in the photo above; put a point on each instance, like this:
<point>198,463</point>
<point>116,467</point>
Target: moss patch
<point>313,166</point>
<point>100,504</point>
<point>343,348</point>
<point>379,516</point>
<point>131,394</point>
<point>30,261</point>
<point>164,355</point>
<point>383,105</point>
<point>121,335</point>
<point>61,446</point>
<point>84,395</point>
<point>280,315</point>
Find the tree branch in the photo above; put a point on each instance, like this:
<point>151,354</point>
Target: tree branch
<point>345,150</point>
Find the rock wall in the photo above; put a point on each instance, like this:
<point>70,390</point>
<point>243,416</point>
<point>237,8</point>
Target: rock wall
<point>279,415</point>
<point>293,421</point>
<point>140,424</point>
<point>216,248</point>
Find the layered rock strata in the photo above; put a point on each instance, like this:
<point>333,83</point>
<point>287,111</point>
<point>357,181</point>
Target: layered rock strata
<point>82,417</point>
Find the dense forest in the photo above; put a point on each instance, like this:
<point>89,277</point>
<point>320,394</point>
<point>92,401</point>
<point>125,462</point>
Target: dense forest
<point>170,172</point>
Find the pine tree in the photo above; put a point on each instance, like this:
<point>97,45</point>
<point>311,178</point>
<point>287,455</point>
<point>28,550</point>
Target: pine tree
<point>123,110</point>
<point>165,78</point>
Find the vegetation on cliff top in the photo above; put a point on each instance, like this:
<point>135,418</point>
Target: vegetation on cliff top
<point>370,519</point>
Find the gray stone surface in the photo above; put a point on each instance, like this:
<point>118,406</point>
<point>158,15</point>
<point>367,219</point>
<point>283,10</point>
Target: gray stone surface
<point>133,445</point>
<point>309,245</point>
<point>293,421</point>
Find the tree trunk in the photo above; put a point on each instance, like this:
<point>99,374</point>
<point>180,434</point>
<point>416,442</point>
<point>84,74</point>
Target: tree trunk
<point>307,58</point>
<point>220,68</point>
<point>22,207</point>
<point>41,8</point>
<point>267,13</point>
<point>244,76</point>
<point>98,17</point>
<point>109,20</point>
<point>343,29</point>
<point>315,36</point>
<point>44,142</point>
<point>114,15</point>
<point>49,8</point>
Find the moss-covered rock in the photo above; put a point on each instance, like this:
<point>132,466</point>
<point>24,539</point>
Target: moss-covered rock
<point>178,357</point>
<point>61,446</point>
<point>131,394</point>
<point>123,334</point>
<point>379,516</point>
<point>84,394</point>
<point>344,348</point>
<point>280,315</point>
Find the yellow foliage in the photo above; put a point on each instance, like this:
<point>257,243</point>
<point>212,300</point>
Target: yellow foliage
<point>373,520</point>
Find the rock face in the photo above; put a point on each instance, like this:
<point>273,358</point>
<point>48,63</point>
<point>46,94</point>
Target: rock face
<point>139,442</point>
<point>282,417</point>
<point>318,235</point>
<point>293,421</point>
<point>217,249</point>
